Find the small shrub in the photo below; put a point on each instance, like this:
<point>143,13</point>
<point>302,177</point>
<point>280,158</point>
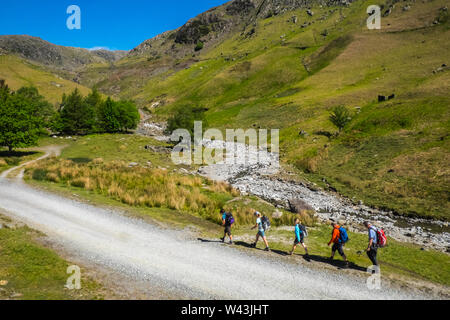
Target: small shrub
<point>340,117</point>
<point>199,46</point>
<point>39,174</point>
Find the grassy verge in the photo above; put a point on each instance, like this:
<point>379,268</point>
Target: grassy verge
<point>30,271</point>
<point>9,160</point>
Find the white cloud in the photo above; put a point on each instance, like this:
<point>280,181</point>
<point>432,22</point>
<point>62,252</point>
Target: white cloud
<point>100,48</point>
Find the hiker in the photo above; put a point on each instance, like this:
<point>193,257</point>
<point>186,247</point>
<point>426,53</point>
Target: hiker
<point>338,239</point>
<point>372,248</point>
<point>300,233</point>
<point>261,231</point>
<point>227,222</point>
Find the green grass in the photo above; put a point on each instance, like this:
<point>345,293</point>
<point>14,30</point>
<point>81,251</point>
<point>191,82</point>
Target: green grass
<point>121,147</point>
<point>19,73</point>
<point>34,272</point>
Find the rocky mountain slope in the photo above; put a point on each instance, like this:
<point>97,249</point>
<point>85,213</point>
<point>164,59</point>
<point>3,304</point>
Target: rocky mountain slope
<point>54,56</point>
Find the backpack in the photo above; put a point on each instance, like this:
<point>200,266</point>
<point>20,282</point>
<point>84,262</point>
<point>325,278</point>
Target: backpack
<point>381,237</point>
<point>265,223</point>
<point>303,230</point>
<point>343,236</point>
<point>229,219</point>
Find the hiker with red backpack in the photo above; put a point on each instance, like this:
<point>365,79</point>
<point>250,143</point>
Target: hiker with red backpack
<point>377,239</point>
<point>339,238</point>
<point>227,222</point>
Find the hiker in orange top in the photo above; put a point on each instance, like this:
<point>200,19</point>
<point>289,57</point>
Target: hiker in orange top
<point>336,241</point>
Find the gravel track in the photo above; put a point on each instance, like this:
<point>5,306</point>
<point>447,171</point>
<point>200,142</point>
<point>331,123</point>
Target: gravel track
<point>171,260</point>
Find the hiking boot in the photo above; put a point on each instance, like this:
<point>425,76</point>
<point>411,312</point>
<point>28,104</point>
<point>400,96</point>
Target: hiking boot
<point>253,245</point>
<point>222,239</point>
<point>231,242</point>
<point>267,249</point>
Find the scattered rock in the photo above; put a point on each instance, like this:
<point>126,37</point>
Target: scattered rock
<point>303,133</point>
<point>97,161</point>
<point>387,12</point>
<point>309,12</point>
<point>133,164</point>
<point>381,98</point>
<point>298,205</point>
<point>3,283</point>
<point>277,214</point>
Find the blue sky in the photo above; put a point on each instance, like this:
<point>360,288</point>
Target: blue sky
<point>113,24</point>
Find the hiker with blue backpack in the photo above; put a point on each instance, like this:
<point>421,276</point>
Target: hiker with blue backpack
<point>227,222</point>
<point>263,224</point>
<point>300,234</point>
<point>339,238</point>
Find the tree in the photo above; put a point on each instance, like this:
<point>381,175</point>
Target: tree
<point>128,115</point>
<point>184,118</point>
<point>76,116</point>
<point>118,116</point>
<point>94,101</point>
<point>20,122</point>
<point>109,116</point>
<point>340,117</point>
<point>43,109</point>
<point>4,90</point>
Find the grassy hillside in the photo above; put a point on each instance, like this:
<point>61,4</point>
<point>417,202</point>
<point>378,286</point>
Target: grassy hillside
<point>18,73</point>
<point>281,74</point>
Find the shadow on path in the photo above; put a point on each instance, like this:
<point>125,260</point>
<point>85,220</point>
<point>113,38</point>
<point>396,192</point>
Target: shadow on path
<point>312,257</point>
<point>209,241</point>
<point>336,263</point>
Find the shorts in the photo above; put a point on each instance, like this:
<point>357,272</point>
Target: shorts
<point>261,234</point>
<point>339,248</point>
<point>296,242</point>
<point>227,230</point>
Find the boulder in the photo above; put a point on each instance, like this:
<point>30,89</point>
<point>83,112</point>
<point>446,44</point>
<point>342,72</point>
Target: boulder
<point>298,205</point>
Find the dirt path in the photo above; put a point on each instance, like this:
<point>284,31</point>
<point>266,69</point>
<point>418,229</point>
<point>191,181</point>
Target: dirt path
<point>170,261</point>
<point>54,150</point>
